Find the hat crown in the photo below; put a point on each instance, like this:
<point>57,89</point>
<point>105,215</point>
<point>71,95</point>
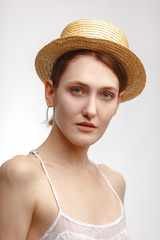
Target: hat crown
<point>91,28</point>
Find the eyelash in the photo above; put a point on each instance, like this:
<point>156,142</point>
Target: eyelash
<point>81,91</point>
<point>76,88</point>
<point>108,94</point>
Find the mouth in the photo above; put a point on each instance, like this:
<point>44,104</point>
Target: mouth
<point>86,124</point>
<point>86,127</point>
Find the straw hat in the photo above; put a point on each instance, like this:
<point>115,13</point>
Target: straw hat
<point>94,35</point>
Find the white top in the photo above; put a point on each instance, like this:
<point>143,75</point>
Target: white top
<point>66,228</point>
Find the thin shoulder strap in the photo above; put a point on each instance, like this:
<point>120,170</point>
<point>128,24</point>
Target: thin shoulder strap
<point>35,152</point>
<point>107,181</point>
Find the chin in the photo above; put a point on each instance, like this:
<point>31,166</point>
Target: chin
<point>84,142</point>
<point>80,139</point>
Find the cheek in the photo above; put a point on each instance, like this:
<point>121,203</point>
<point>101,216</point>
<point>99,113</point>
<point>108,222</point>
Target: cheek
<point>65,107</point>
<point>107,113</point>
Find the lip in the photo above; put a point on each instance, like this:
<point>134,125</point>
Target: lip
<point>85,126</point>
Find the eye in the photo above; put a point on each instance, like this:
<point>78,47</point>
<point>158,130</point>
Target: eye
<point>77,90</point>
<point>107,95</point>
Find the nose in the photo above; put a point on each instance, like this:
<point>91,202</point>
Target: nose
<point>90,108</point>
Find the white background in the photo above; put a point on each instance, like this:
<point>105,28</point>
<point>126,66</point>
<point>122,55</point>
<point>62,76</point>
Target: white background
<point>131,144</point>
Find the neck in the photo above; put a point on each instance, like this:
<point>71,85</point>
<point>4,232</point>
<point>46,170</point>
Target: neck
<point>60,150</point>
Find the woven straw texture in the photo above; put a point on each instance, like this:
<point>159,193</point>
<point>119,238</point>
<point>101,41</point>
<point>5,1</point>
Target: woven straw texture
<point>94,35</point>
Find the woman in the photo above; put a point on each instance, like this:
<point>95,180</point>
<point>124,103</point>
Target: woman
<point>56,192</point>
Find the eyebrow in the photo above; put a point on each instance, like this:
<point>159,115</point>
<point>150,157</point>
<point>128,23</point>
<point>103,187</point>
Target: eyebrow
<point>86,85</point>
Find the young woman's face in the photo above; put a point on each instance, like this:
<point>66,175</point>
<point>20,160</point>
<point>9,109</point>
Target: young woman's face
<point>86,99</point>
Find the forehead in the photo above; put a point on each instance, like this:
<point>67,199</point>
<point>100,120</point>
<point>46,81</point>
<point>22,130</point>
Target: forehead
<point>89,70</point>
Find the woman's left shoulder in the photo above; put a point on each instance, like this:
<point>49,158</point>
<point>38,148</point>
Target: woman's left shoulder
<point>116,180</point>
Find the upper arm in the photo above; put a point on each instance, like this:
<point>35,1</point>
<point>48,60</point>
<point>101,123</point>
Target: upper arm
<point>16,199</point>
<point>117,181</point>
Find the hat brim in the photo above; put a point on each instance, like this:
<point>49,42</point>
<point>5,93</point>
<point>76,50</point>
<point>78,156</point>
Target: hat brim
<point>134,68</point>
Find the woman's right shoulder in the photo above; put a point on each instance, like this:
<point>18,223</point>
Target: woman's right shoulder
<point>18,196</point>
<point>18,169</point>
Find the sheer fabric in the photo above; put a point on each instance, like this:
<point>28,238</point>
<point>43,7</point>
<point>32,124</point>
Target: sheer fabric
<point>66,228</point>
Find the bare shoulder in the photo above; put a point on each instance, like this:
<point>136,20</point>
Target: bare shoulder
<point>18,199</point>
<point>18,169</point>
<point>116,179</point>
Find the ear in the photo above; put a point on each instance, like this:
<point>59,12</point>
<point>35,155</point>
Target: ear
<point>49,93</point>
<point>121,95</point>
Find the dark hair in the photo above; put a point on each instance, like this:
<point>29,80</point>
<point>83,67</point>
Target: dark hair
<point>63,61</point>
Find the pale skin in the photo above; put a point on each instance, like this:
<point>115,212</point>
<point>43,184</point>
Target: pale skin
<point>88,92</point>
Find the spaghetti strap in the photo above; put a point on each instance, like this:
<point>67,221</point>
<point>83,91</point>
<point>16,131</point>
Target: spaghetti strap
<point>35,152</point>
<point>109,184</point>
<point>66,227</point>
